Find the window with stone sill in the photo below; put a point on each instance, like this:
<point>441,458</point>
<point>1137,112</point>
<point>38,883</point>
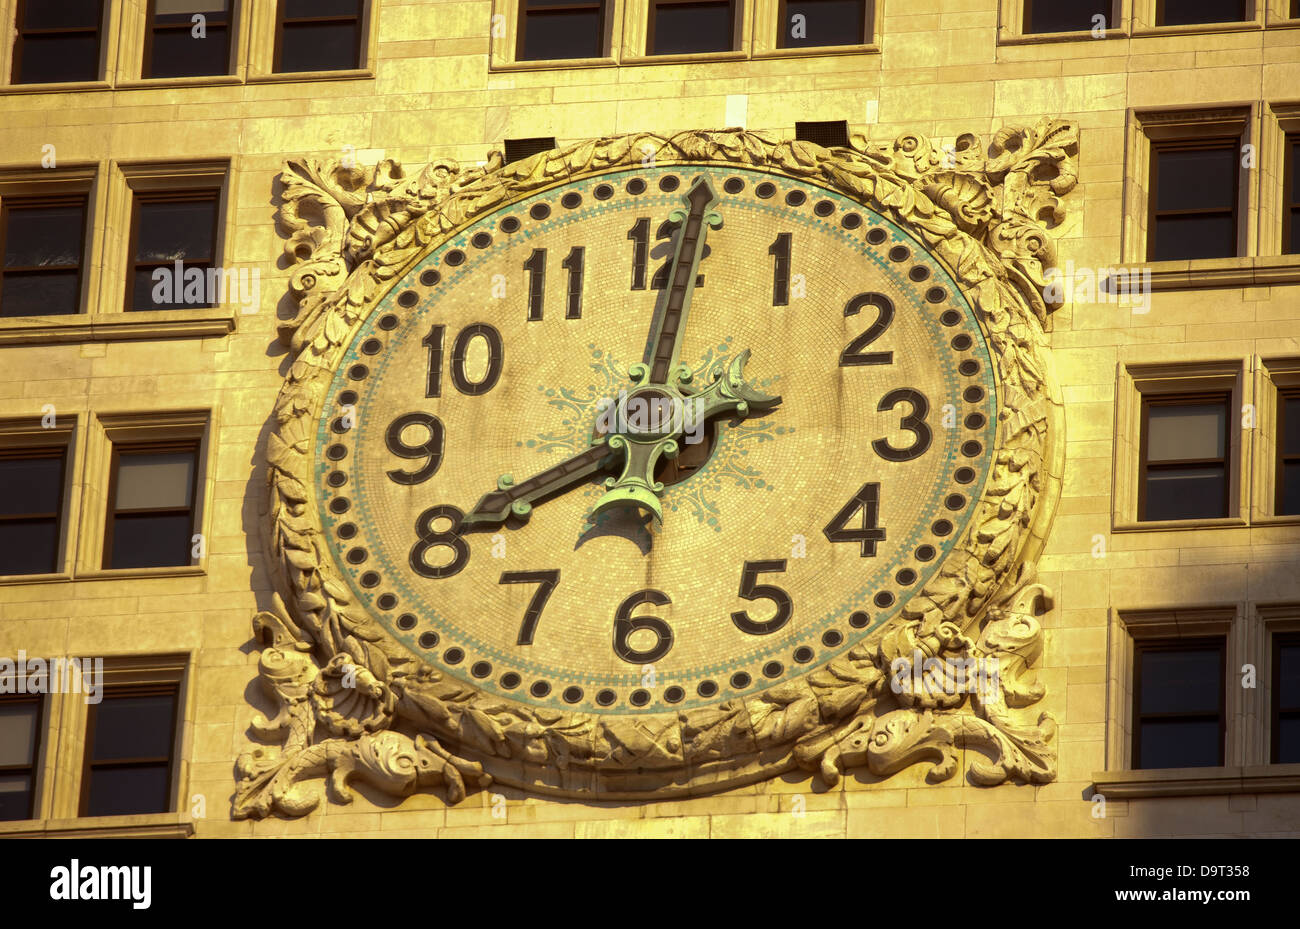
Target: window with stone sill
<point>824,23</point>
<point>129,758</point>
<point>1051,16</point>
<point>319,35</point>
<point>1178,703</point>
<point>1291,198</point>
<point>20,751</point>
<point>1287,437</point>
<point>167,227</point>
<point>33,484</point>
<point>1184,457</point>
<point>1191,12</point>
<point>57,41</point>
<point>188,38</point>
<point>43,243</point>
<point>152,492</point>
<point>692,27</point>
<point>551,30</point>
<point>1193,199</point>
<point>1285,716</point>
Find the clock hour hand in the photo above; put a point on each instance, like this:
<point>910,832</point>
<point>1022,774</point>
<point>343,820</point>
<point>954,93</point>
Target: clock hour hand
<point>664,346</point>
<point>509,497</point>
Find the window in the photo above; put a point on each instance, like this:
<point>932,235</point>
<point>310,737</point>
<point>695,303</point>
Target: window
<point>1178,704</point>
<point>1286,699</point>
<point>20,737</point>
<point>151,505</point>
<point>1184,457</point>
<point>1291,197</point>
<point>43,242</point>
<point>1288,453</point>
<point>130,736</point>
<point>554,29</point>
<point>1193,200</point>
<point>830,134</point>
<point>318,35</point>
<point>686,27</point>
<point>1186,12</point>
<point>519,149</point>
<point>1064,15</point>
<point>169,227</point>
<point>31,505</point>
<point>57,40</point>
<point>173,49</point>
<point>813,23</point>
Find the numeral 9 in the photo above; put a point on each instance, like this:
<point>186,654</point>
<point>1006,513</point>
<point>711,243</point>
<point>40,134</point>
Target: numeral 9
<point>431,449</point>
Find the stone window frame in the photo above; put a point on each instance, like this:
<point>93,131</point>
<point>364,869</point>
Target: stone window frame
<point>28,432</point>
<point>1128,627</point>
<point>1272,620</point>
<point>1272,375</point>
<point>69,715</point>
<point>1281,122</point>
<point>132,40</point>
<point>109,429</point>
<point>1150,127</point>
<point>78,179</point>
<point>258,51</point>
<point>1011,25</point>
<point>767,24</point>
<point>504,40</point>
<point>1144,20</point>
<point>110,30</point>
<point>42,773</point>
<point>1137,380</point>
<point>632,49</point>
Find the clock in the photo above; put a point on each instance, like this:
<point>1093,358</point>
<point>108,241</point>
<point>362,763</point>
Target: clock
<point>654,440</point>
<point>634,469</point>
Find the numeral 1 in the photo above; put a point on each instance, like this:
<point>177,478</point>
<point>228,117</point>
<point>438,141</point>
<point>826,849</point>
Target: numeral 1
<point>536,268</point>
<point>780,252</point>
<point>640,236</point>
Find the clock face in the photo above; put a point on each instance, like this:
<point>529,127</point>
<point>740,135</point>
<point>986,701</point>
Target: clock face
<point>791,529</point>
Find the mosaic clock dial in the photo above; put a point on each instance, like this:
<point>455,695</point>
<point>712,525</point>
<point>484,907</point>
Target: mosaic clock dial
<point>655,439</point>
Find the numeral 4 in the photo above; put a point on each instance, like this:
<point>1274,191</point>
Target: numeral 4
<point>867,499</point>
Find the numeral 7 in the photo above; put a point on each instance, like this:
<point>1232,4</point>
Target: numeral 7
<point>547,581</point>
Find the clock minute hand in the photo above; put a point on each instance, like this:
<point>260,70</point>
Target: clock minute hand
<point>509,497</point>
<point>664,347</point>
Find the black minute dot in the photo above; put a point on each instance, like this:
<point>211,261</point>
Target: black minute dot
<point>370,579</point>
<point>919,273</point>
<point>824,208</point>
<point>408,299</point>
<point>510,680</point>
<point>955,501</point>
<point>428,640</point>
<point>669,182</point>
<point>388,321</point>
<point>963,475</point>
<point>950,317</point>
<point>603,192</point>
<point>975,421</point>
<point>859,619</point>
<point>884,600</point>
<point>773,669</point>
<point>336,452</point>
<point>607,697</point>
<point>406,621</point>
<point>571,200</point>
<point>906,577</point>
<point>572,695</point>
<point>336,479</point>
<point>796,198</point>
<point>453,655</point>
<point>455,257</point>
<point>371,347</point>
<point>481,669</point>
<point>803,654</point>
<point>961,342</point>
<point>707,689</point>
<point>941,527</point>
<point>387,601</point>
<point>969,367</point>
<point>540,689</point>
<point>733,185</point>
<point>481,240</point>
<point>634,187</point>
<point>973,394</point>
<point>831,638</point>
<point>900,253</point>
<point>346,530</point>
<point>765,190</point>
<point>877,235</point>
<point>851,221</point>
<point>936,295</point>
<point>539,211</point>
<point>972,448</point>
<point>639,697</point>
<point>356,556</point>
<point>925,553</point>
<point>740,680</point>
<point>674,694</point>
<point>509,225</point>
<point>340,505</point>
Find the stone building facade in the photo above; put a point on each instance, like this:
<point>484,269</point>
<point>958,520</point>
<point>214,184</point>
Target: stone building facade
<point>1136,592</point>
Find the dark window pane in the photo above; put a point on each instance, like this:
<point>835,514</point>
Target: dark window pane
<point>1181,681</point>
<point>184,9</point>
<point>155,291</point>
<point>40,293</point>
<point>41,236</point>
<point>1176,743</point>
<point>1064,15</point>
<point>1288,682</point>
<point>178,53</point>
<point>126,791</point>
<point>1290,489</point>
<point>562,34</point>
<point>177,230</point>
<point>56,14</point>
<point>15,797</point>
<point>1291,418</point>
<point>316,8</point>
<point>1288,740</point>
<point>1185,493</point>
<point>56,58</point>
<point>18,721</point>
<point>1183,12</point>
<point>134,727</point>
<point>30,485</point>
<point>29,546</point>
<point>319,47</point>
<point>1295,232</point>
<point>810,23</point>
<point>1185,237</point>
<point>1199,179</point>
<point>151,541</point>
<point>691,28</point>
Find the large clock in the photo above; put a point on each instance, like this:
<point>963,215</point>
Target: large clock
<point>655,439</point>
<point>637,475</point>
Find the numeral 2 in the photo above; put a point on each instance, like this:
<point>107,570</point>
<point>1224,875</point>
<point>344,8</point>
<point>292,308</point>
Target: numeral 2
<point>854,355</point>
